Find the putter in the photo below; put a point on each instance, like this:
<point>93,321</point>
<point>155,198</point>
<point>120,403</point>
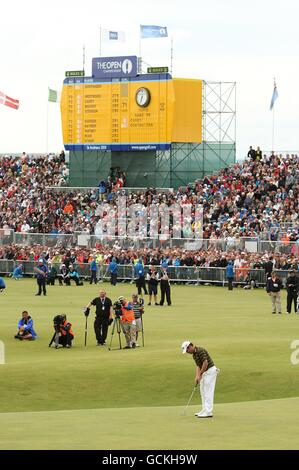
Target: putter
<point>191,396</point>
<point>85,340</point>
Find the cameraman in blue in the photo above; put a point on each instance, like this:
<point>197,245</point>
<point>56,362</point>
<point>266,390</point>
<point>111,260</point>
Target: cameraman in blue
<point>140,277</point>
<point>25,328</point>
<point>113,271</point>
<point>2,285</point>
<point>230,275</point>
<point>18,272</point>
<point>41,275</point>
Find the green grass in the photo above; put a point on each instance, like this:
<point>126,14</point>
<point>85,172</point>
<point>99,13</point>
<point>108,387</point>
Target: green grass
<point>145,389</point>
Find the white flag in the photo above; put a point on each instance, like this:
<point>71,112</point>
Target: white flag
<point>112,36</point>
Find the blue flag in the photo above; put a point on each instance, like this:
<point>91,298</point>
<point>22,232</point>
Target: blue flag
<point>274,96</point>
<point>151,31</point>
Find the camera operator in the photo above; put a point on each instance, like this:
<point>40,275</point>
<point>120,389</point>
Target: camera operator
<point>63,277</point>
<point>138,310</point>
<point>128,323</point>
<point>103,316</point>
<point>63,328</point>
<point>292,286</point>
<point>153,281</point>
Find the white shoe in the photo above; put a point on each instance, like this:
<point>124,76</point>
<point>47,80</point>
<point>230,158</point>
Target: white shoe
<point>199,413</point>
<point>205,415</point>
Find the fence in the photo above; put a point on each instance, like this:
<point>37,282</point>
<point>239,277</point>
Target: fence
<point>84,240</point>
<point>178,274</point>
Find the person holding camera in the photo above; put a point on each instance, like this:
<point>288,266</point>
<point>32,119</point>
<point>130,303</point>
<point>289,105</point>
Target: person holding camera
<point>63,331</point>
<point>165,289</point>
<point>153,281</point>
<point>41,275</point>
<point>292,286</point>
<point>103,316</point>
<point>140,277</point>
<point>2,285</point>
<point>128,322</point>
<point>25,328</point>
<point>138,310</point>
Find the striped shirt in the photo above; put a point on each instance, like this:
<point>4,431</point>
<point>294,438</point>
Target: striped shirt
<point>137,310</point>
<point>200,355</point>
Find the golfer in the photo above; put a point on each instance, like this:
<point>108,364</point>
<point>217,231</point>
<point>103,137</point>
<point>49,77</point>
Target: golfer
<point>205,375</point>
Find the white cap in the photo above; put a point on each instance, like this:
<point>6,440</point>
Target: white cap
<point>41,260</point>
<point>185,345</point>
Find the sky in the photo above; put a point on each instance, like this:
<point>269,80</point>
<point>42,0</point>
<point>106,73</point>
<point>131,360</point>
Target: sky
<point>249,43</point>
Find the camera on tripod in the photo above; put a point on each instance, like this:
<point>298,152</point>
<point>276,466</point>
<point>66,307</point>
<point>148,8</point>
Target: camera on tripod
<point>117,307</point>
<point>58,320</point>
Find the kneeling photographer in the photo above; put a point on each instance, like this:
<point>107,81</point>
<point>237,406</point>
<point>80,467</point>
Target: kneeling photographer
<point>103,316</point>
<point>128,323</point>
<point>63,332</point>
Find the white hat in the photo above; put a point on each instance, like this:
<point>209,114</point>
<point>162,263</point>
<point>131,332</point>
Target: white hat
<point>185,345</point>
<point>41,260</point>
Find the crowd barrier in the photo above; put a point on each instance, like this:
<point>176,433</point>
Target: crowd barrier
<point>178,274</point>
<point>84,240</point>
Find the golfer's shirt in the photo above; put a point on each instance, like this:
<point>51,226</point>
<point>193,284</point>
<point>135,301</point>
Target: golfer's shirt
<point>200,355</point>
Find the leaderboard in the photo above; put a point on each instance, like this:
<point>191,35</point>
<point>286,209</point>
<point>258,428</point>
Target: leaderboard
<point>117,114</point>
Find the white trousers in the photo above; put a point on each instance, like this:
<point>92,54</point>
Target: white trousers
<point>207,387</point>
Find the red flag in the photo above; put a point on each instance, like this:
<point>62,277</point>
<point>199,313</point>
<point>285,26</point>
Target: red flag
<point>7,101</point>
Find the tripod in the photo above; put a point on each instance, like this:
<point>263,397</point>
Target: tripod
<point>55,339</point>
<point>116,325</point>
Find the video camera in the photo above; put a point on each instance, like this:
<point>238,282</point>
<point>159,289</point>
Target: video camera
<point>58,320</point>
<point>117,309</point>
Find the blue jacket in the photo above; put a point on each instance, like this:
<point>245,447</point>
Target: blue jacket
<point>17,272</point>
<point>93,265</point>
<point>230,270</point>
<point>43,268</point>
<point>113,267</point>
<point>74,274</point>
<point>139,269</point>
<point>2,283</point>
<point>28,325</point>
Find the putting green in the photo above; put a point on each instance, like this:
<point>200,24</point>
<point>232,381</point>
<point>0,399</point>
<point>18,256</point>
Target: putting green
<point>268,424</point>
<point>143,391</point>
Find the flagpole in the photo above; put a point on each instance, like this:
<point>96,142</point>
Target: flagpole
<point>273,120</point>
<point>47,120</point>
<point>140,58</point>
<point>273,128</point>
<point>83,59</point>
<point>171,56</point>
<point>100,41</point>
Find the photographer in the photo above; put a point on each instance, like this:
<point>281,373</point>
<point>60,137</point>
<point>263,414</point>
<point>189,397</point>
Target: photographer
<point>64,334</point>
<point>292,286</point>
<point>63,277</point>
<point>25,328</point>
<point>138,310</point>
<point>73,275</point>
<point>153,281</point>
<point>128,322</point>
<point>140,277</point>
<point>103,316</point>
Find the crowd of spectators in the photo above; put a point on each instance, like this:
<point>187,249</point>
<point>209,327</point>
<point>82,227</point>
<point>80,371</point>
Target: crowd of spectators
<point>258,197</point>
<point>158,257</point>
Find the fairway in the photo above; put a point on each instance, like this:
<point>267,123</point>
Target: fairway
<point>144,391</point>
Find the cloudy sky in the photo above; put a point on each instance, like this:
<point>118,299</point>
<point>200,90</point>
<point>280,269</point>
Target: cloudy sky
<point>220,40</point>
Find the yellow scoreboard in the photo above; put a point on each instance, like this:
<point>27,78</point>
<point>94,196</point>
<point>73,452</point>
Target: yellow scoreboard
<point>146,112</point>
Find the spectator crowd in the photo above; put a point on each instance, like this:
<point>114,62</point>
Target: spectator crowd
<point>258,197</point>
